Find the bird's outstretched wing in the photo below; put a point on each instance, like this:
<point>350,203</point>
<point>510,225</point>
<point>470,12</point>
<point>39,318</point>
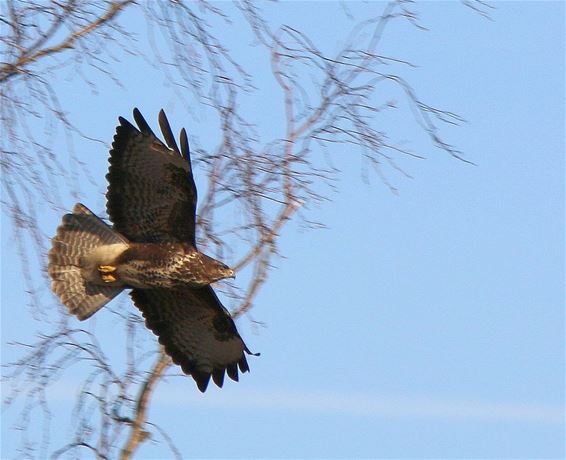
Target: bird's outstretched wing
<point>196,331</point>
<point>151,193</point>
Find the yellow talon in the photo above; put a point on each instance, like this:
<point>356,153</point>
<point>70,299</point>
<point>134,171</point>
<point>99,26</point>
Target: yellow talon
<point>106,268</point>
<point>108,278</point>
<point>106,273</point>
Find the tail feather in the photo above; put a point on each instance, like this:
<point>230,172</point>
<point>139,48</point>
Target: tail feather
<point>80,233</point>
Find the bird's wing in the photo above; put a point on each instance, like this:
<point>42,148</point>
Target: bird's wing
<point>196,331</point>
<point>151,193</point>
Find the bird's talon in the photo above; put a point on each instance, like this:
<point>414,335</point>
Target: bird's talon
<point>106,273</point>
<point>106,268</point>
<point>108,278</point>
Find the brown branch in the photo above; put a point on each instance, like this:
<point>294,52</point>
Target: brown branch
<point>268,240</point>
<point>138,434</point>
<point>264,185</point>
<point>11,69</point>
<point>291,204</point>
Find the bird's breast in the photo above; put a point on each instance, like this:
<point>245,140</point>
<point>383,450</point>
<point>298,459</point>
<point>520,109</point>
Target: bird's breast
<point>151,265</point>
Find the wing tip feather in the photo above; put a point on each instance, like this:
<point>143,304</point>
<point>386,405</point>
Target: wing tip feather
<point>218,377</point>
<point>201,379</point>
<point>232,371</point>
<point>243,364</point>
<point>142,124</point>
<point>185,147</point>
<point>167,132</point>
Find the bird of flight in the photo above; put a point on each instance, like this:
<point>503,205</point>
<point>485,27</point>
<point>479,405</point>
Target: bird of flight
<point>151,249</point>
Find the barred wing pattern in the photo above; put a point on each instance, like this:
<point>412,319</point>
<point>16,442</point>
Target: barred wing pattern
<point>196,331</point>
<point>151,193</point>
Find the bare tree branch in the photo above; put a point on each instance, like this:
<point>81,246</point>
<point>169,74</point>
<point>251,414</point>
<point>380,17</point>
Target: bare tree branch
<point>36,51</point>
<point>256,183</point>
<point>138,434</point>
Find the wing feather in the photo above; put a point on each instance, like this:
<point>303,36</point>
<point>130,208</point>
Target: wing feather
<point>218,377</point>
<point>142,124</point>
<point>167,133</point>
<point>196,331</point>
<point>185,150</point>
<point>151,193</point>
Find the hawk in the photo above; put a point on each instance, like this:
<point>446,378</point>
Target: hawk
<point>151,249</point>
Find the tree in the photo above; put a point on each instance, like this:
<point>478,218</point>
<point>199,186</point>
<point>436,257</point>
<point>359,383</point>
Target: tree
<point>327,100</point>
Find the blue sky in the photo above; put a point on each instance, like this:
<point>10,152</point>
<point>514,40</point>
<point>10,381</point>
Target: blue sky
<point>428,323</point>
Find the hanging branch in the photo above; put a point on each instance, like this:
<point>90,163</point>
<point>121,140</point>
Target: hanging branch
<point>255,187</point>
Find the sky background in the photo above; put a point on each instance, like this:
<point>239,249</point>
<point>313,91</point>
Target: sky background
<point>423,324</point>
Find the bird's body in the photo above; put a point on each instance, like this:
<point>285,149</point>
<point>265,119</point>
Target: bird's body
<point>151,249</point>
<point>152,265</point>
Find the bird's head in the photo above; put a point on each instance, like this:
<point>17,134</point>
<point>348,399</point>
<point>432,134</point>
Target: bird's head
<point>205,270</point>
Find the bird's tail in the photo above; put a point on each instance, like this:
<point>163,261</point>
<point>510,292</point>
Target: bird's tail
<point>78,234</point>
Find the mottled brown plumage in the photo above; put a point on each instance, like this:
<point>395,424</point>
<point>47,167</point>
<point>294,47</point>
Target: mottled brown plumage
<point>151,248</point>
<point>151,194</point>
